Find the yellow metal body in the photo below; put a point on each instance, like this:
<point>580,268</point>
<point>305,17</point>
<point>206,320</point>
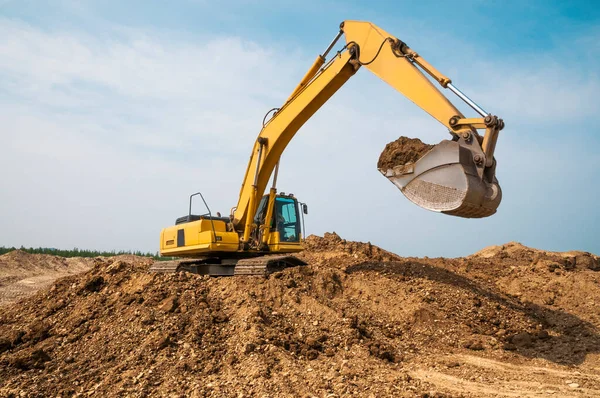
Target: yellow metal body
<point>374,46</point>
<point>279,131</point>
<point>376,49</point>
<point>198,237</point>
<point>266,235</point>
<point>314,69</point>
<point>366,45</point>
<point>275,246</point>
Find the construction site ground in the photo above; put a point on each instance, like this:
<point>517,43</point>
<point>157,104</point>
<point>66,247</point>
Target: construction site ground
<point>508,321</point>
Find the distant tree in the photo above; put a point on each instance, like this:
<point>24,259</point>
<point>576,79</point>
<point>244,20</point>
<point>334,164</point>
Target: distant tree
<point>76,252</point>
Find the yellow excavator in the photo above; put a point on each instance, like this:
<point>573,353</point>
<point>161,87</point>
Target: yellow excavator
<point>456,177</point>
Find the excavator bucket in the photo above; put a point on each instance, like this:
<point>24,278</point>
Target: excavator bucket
<point>451,178</point>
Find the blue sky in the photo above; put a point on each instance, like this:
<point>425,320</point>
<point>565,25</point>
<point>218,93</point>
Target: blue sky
<point>112,112</point>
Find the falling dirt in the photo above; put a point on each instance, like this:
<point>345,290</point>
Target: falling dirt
<point>508,321</point>
<point>402,151</point>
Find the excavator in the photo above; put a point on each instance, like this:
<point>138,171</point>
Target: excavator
<point>456,177</point>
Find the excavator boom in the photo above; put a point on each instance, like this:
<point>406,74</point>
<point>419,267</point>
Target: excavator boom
<point>456,177</point>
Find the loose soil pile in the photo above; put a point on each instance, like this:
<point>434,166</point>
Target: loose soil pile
<point>402,151</point>
<point>507,321</point>
<point>22,274</point>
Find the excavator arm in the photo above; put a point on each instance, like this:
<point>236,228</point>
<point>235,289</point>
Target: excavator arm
<point>457,177</point>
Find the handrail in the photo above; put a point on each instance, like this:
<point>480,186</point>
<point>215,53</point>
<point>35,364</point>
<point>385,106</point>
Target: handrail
<point>209,214</point>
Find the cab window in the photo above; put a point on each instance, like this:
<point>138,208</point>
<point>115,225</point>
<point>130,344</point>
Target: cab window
<point>259,217</point>
<point>286,214</point>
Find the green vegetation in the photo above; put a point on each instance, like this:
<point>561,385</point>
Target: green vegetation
<point>77,252</point>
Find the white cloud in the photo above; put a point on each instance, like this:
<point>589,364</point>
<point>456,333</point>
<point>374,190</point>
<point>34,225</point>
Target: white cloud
<point>119,126</point>
<point>543,93</point>
<point>104,139</point>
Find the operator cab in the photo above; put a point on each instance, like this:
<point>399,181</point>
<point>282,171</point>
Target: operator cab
<point>286,217</point>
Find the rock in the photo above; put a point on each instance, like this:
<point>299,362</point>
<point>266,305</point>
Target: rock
<point>35,360</point>
<point>220,317</point>
<point>522,339</point>
<point>116,267</point>
<point>509,347</point>
<point>314,343</point>
<point>383,351</point>
<point>57,306</point>
<point>474,345</point>
<point>550,299</point>
<point>552,266</point>
<point>250,347</point>
<point>94,284</point>
<point>5,344</point>
<point>290,283</point>
<point>169,304</point>
<point>312,354</point>
<point>332,236</point>
<point>569,263</point>
<point>38,331</point>
<point>587,261</point>
<point>573,385</point>
<point>16,337</point>
<point>163,342</point>
<point>149,319</point>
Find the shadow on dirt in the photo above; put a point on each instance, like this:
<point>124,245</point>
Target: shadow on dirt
<point>569,338</point>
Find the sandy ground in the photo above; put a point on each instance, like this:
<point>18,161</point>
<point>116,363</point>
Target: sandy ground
<point>509,321</point>
<point>22,274</point>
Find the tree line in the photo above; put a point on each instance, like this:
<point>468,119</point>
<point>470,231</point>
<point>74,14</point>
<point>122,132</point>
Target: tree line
<point>75,252</point>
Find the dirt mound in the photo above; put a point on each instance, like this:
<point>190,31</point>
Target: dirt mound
<point>402,151</point>
<point>357,321</point>
<point>22,274</point>
<point>331,250</point>
<point>568,260</point>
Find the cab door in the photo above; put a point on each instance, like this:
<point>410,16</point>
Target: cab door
<point>287,219</point>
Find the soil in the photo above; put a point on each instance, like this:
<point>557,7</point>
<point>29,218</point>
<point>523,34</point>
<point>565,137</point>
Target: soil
<point>508,321</point>
<point>402,151</point>
<point>23,274</point>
